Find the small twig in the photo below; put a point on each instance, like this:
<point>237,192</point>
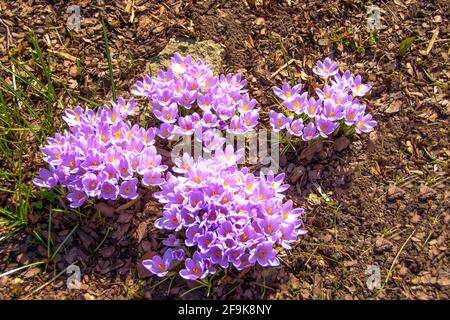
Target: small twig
<point>284,66</point>
<point>193,289</point>
<point>21,268</point>
<point>50,281</point>
<point>63,55</point>
<point>128,204</point>
<point>432,41</point>
<point>311,255</point>
<point>388,276</point>
<point>103,240</point>
<point>13,68</point>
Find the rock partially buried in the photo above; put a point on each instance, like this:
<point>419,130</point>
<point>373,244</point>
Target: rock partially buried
<point>426,193</point>
<point>394,193</point>
<point>206,50</point>
<point>341,143</point>
<point>382,245</point>
<point>297,173</point>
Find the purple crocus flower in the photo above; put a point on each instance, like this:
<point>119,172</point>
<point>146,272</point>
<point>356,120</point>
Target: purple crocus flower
<point>358,88</point>
<point>265,255</point>
<point>278,120</point>
<point>313,107</point>
<point>149,136</point>
<point>163,98</point>
<point>228,156</point>
<point>171,241</point>
<point>309,132</point>
<point>326,68</point>
<point>224,111</point>
<point>325,93</point>
<point>159,266</point>
<point>209,120</point>
<point>148,159</point>
<point>274,181</point>
<point>288,235</point>
<point>180,64</point>
<point>178,254</point>
<point>333,111</point>
<point>344,81</point>
<point>298,104</point>
<point>109,190</point>
<point>365,123</point>
<point>111,172</point>
<point>234,256</point>
<point>194,268</point>
<point>212,140</point>
<point>91,184</point>
<point>290,215</point>
<point>250,119</point>
<point>172,219</point>
<point>326,126</point>
<point>295,127</point>
<point>185,126</point>
<point>270,225</point>
<point>52,155</point>
<point>72,117</point>
<point>47,178</point>
<point>113,116</point>
<point>236,125</point>
<point>77,198</point>
<point>341,98</point>
<point>128,189</point>
<point>166,131</point>
<point>216,256</point>
<point>204,101</point>
<point>287,93</point>
<point>196,200</point>
<point>352,113</point>
<point>187,98</point>
<point>125,108</point>
<point>152,177</point>
<point>168,114</point>
<point>225,229</point>
<point>124,169</point>
<point>183,164</point>
<point>245,104</point>
<point>205,241</point>
<point>144,88</point>
<point>166,76</point>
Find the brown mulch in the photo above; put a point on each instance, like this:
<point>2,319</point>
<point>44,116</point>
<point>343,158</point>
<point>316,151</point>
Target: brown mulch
<point>388,191</point>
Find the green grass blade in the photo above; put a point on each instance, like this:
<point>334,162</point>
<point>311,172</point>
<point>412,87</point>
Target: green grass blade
<point>108,57</point>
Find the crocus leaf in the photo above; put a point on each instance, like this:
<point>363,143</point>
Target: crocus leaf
<point>404,45</point>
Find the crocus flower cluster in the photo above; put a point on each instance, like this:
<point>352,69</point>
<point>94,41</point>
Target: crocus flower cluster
<point>221,216</point>
<point>187,98</point>
<point>101,155</point>
<point>336,104</point>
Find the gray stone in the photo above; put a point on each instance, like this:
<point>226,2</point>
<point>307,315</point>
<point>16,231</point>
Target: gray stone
<point>207,50</point>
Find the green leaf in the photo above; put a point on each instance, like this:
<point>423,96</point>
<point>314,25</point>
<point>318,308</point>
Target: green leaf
<point>404,45</point>
<point>39,205</point>
<point>48,195</point>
